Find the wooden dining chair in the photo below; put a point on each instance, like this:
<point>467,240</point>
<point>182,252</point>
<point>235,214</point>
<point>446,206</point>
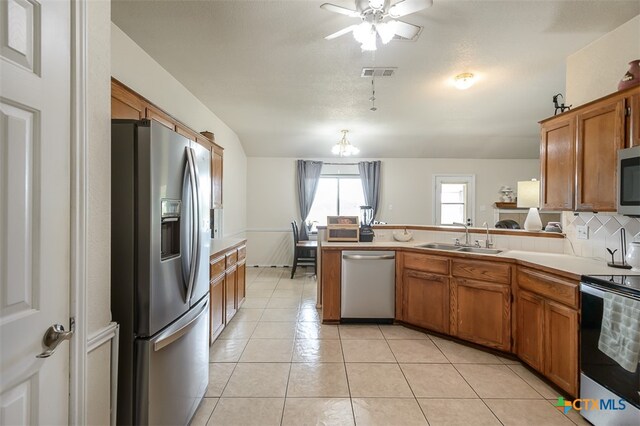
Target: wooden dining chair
<point>304,252</point>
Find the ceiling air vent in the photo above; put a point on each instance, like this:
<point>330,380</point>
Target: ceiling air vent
<point>378,72</point>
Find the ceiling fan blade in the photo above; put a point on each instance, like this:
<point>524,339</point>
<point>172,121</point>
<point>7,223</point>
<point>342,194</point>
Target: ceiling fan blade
<point>406,7</point>
<point>407,30</point>
<point>341,32</point>
<point>339,9</point>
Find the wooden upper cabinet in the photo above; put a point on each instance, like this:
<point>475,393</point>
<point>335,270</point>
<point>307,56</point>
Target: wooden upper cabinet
<point>187,133</point>
<point>557,155</point>
<point>530,323</point>
<point>633,128</point>
<point>600,134</point>
<point>426,300</point>
<point>216,177</point>
<point>161,117</point>
<point>125,104</point>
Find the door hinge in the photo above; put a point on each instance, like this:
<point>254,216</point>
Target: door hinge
<point>627,112</point>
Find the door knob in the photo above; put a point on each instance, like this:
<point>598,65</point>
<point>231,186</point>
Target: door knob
<point>54,336</point>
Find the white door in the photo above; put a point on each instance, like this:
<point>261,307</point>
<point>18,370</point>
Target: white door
<point>34,208</point>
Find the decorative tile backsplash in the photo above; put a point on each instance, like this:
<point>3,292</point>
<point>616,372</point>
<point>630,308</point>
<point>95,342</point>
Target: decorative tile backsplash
<point>604,232</point>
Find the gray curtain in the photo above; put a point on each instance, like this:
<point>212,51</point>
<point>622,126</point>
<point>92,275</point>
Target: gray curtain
<point>307,177</point>
<point>370,177</point>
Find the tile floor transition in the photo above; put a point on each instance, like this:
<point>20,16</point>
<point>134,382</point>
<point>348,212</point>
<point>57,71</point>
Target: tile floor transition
<point>276,364</point>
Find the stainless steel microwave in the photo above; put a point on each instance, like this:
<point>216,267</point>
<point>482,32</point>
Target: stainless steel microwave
<point>629,181</point>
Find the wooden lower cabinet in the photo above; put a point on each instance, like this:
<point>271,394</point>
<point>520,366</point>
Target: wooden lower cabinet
<point>217,312</point>
<point>241,283</point>
<point>547,339</point>
<point>481,312</point>
<point>561,346</point>
<point>426,300</point>
<point>331,281</point>
<point>227,288</point>
<point>231,287</point>
<point>530,329</point>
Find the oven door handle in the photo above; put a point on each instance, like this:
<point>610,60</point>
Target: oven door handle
<point>592,291</point>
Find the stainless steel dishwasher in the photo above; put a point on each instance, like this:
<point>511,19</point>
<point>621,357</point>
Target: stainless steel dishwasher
<point>368,286</point>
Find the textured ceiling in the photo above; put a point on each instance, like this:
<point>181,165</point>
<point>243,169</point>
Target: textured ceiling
<point>264,68</point>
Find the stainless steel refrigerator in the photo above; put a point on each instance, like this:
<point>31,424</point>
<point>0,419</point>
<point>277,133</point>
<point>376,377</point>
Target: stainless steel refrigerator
<point>160,236</point>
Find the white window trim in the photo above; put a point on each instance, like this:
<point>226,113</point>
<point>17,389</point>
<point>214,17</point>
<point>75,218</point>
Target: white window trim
<point>437,182</point>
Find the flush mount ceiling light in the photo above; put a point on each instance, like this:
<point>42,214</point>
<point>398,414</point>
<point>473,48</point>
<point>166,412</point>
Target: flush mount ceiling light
<point>343,148</point>
<point>464,81</point>
<point>373,14</point>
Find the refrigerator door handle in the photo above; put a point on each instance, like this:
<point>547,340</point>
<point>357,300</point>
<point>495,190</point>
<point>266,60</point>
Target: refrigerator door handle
<point>194,223</point>
<point>173,334</point>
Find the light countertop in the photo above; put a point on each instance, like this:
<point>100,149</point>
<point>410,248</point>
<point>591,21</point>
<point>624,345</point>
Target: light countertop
<point>221,244</point>
<point>569,264</point>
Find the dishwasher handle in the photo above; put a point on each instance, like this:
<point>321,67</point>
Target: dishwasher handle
<point>365,257</point>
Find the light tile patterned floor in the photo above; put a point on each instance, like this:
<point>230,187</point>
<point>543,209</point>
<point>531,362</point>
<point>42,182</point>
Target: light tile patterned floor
<point>276,364</point>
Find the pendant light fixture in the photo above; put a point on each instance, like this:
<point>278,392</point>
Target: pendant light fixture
<point>343,148</point>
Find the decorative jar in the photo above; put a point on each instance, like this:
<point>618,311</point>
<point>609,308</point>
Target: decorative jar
<point>631,77</point>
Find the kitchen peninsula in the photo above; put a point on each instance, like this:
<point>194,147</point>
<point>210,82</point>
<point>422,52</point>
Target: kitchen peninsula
<point>524,303</point>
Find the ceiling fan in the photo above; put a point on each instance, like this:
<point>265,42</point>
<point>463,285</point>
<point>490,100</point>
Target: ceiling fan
<point>374,14</point>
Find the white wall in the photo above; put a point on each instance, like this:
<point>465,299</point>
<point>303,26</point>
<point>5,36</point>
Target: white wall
<point>135,68</point>
<point>98,396</point>
<point>406,184</point>
<point>595,70</point>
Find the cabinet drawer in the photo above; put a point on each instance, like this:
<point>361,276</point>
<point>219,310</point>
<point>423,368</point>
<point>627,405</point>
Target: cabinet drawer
<point>426,263</point>
<point>549,286</point>
<point>217,267</point>
<point>232,258</point>
<point>242,253</point>
<point>485,271</point>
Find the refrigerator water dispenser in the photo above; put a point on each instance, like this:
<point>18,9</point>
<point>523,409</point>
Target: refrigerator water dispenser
<point>170,229</point>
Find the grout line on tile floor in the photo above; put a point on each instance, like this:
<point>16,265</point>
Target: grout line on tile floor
<point>405,377</point>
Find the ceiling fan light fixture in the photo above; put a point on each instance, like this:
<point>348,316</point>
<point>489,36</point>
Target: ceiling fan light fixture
<point>386,30</point>
<point>464,81</point>
<point>343,148</point>
<point>362,32</point>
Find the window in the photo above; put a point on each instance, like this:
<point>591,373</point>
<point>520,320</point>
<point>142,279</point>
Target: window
<point>453,199</point>
<point>336,196</point>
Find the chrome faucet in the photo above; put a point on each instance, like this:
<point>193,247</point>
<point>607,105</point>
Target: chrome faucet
<point>487,243</point>
<point>467,241</point>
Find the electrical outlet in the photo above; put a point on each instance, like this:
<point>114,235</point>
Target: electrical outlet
<point>583,232</point>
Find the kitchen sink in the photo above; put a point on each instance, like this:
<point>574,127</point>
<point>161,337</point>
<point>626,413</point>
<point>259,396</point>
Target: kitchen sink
<point>452,247</point>
<point>479,250</point>
<point>439,246</point>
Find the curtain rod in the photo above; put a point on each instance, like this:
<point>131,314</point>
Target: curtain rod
<point>341,164</point>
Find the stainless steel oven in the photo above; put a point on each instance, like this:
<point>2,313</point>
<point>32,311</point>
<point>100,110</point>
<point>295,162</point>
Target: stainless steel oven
<point>602,378</point>
<point>629,181</point>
